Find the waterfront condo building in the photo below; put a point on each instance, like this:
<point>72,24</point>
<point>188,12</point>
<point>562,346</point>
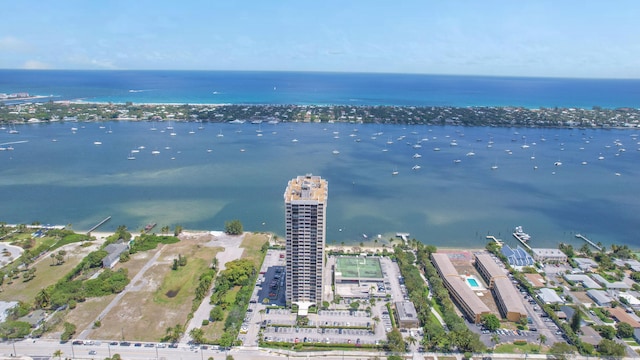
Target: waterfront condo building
<point>305,202</point>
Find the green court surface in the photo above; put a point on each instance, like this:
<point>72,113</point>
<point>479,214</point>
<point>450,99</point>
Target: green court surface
<point>359,267</point>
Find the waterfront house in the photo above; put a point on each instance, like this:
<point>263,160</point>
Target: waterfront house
<point>114,251</point>
<point>545,255</point>
<point>586,264</point>
<point>517,256</point>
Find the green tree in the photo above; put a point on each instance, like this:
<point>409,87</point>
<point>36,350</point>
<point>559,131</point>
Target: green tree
<point>411,340</point>
<point>541,339</point>
<point>606,331</point>
<point>69,330</point>
<point>233,227</point>
<point>490,321</point>
<point>495,339</point>
<point>58,354</point>
<point>197,334</point>
<point>43,299</point>
<point>395,342</point>
<point>624,330</point>
<point>608,347</point>
<point>216,314</point>
<point>560,350</point>
<point>173,334</point>
<point>576,320</point>
<point>177,230</point>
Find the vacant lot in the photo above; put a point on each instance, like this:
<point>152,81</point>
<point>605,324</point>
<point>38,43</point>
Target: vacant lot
<point>252,244</point>
<point>163,297</point>
<point>46,274</point>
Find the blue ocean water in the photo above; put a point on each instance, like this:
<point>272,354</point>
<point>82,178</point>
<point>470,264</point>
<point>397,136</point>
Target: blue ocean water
<point>203,177</point>
<point>200,179</point>
<point>218,87</point>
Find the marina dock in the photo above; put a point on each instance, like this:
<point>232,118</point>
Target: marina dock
<point>99,224</point>
<point>496,240</point>
<point>403,236</point>
<point>580,236</point>
<point>522,241</point>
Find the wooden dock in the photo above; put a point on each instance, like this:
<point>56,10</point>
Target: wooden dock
<point>99,224</point>
<point>522,241</point>
<point>580,236</point>
<point>496,240</point>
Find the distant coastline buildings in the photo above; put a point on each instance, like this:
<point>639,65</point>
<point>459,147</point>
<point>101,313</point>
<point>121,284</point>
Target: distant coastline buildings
<point>305,201</point>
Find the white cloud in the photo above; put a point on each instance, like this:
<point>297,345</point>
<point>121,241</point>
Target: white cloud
<point>35,65</point>
<point>11,43</point>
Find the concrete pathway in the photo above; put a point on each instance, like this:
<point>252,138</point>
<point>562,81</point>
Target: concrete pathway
<point>232,251</point>
<point>134,283</point>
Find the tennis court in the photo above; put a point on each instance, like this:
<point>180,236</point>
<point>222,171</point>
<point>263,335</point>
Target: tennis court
<point>359,267</point>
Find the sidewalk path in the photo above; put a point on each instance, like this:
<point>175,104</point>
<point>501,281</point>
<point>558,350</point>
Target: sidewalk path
<point>232,251</point>
<point>134,282</point>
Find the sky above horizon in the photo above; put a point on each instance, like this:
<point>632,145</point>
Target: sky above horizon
<point>589,39</point>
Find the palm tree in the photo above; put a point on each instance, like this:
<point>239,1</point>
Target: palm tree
<point>542,339</point>
<point>58,354</point>
<point>411,340</point>
<point>495,339</point>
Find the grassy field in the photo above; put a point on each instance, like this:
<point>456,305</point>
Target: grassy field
<point>252,243</point>
<point>162,298</point>
<point>528,348</point>
<point>46,275</point>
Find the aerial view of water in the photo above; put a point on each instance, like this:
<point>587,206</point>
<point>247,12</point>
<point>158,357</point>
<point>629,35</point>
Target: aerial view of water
<point>202,177</point>
<point>225,87</point>
<point>454,185</point>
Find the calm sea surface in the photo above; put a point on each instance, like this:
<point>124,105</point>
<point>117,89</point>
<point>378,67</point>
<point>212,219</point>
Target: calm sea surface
<point>200,179</point>
<point>217,87</point>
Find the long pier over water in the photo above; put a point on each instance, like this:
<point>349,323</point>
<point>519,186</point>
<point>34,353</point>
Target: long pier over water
<point>580,236</point>
<point>99,224</point>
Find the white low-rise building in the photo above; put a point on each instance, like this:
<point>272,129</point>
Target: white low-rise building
<point>547,255</point>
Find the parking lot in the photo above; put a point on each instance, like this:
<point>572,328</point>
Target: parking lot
<point>338,324</point>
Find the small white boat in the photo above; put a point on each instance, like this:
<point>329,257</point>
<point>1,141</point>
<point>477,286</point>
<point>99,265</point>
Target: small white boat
<point>417,156</point>
<point>155,152</point>
<point>494,167</point>
<point>471,153</point>
<point>97,143</point>
<point>416,167</point>
<point>557,163</point>
<point>294,140</point>
<point>131,157</point>
<point>436,149</point>
<point>457,161</point>
<point>335,152</point>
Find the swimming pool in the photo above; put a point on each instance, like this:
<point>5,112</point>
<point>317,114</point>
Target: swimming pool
<point>472,282</point>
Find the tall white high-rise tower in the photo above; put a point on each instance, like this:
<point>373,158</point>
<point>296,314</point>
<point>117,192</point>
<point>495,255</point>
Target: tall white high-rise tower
<point>305,203</point>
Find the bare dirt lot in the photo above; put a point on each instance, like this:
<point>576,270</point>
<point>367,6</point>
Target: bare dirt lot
<point>163,297</point>
<point>159,298</point>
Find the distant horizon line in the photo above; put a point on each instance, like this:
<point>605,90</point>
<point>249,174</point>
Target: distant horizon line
<point>332,72</point>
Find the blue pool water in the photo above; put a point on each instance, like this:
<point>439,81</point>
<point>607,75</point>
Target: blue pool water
<point>472,282</point>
